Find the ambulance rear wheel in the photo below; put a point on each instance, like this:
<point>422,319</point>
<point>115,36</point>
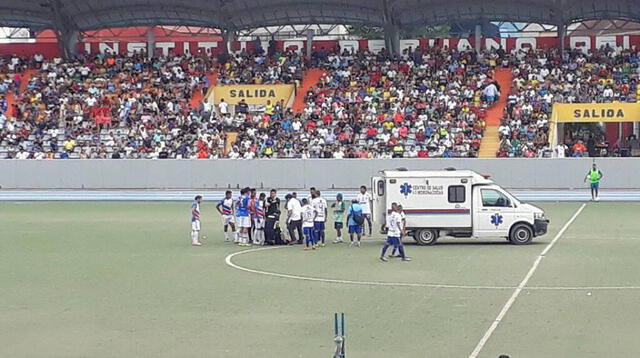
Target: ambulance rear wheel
<point>426,237</point>
<point>521,234</point>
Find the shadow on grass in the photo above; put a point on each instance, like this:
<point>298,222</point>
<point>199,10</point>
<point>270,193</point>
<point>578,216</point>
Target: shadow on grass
<point>473,243</point>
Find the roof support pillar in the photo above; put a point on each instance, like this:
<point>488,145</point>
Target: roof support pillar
<point>310,34</point>
<point>392,39</point>
<point>478,38</point>
<point>228,36</point>
<point>562,33</point>
<point>68,41</point>
<point>66,32</point>
<point>151,42</point>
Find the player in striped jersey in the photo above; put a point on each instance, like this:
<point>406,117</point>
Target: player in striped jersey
<point>258,219</point>
<point>226,208</point>
<point>195,221</point>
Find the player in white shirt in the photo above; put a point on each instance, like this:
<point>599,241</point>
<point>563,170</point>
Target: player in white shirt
<point>226,208</point>
<point>320,205</point>
<point>195,221</point>
<point>395,232</point>
<point>404,229</point>
<point>364,199</point>
<point>308,220</point>
<point>258,219</point>
<point>294,219</point>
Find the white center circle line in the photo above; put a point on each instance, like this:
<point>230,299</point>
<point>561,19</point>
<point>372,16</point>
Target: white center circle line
<point>229,262</point>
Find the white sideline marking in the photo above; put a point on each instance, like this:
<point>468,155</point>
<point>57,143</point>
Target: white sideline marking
<point>521,286</point>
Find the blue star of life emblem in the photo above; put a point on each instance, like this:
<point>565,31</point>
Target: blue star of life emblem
<point>405,189</point>
<point>496,219</point>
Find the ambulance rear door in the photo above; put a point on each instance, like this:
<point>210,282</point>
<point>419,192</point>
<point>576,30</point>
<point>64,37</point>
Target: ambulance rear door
<point>379,202</point>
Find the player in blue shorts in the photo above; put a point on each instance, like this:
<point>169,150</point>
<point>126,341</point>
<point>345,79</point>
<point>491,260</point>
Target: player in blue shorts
<point>404,230</point>
<point>394,233</point>
<point>308,217</point>
<point>355,220</point>
<point>594,176</point>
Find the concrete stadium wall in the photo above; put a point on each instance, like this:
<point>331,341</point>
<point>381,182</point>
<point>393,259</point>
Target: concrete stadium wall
<point>619,173</point>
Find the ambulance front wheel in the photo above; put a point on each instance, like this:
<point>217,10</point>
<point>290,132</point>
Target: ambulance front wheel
<point>426,237</point>
<point>521,234</point>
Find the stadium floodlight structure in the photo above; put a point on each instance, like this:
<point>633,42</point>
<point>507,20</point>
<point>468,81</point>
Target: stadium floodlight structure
<point>69,17</point>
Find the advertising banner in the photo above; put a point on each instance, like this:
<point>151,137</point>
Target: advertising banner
<point>596,112</point>
<point>252,94</point>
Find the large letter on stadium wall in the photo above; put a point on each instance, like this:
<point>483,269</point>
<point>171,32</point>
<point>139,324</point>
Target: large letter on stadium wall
<point>606,40</point>
<point>136,47</point>
<point>296,46</point>
<point>580,42</point>
<point>376,46</point>
<point>252,94</point>
<point>492,44</point>
<point>409,44</point>
<point>349,45</point>
<point>208,46</point>
<point>526,43</point>
<point>105,48</point>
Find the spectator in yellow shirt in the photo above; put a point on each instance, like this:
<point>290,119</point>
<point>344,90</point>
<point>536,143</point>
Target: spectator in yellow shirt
<point>69,144</point>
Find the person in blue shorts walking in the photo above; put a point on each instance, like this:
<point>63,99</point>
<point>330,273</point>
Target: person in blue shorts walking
<point>394,233</point>
<point>355,220</point>
<point>594,176</point>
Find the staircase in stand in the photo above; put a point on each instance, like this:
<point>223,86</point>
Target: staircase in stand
<point>491,139</point>
<point>228,143</point>
<point>11,100</point>
<point>311,78</point>
<point>197,97</point>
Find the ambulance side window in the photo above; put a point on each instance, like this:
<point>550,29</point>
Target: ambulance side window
<point>494,198</point>
<point>380,187</point>
<point>457,194</point>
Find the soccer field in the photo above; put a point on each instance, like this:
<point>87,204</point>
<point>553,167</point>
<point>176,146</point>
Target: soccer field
<point>98,279</point>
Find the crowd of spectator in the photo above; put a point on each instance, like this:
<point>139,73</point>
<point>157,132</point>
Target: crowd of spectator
<point>244,68</point>
<point>110,107</point>
<point>542,78</point>
<point>421,104</point>
<point>424,103</point>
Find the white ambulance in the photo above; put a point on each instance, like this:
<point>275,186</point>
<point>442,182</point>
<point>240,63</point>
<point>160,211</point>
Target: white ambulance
<point>457,203</point>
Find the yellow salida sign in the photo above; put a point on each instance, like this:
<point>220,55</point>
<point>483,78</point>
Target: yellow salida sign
<point>596,112</point>
<point>252,94</point>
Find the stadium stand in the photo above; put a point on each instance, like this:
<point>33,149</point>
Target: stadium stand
<point>542,78</point>
<point>433,102</point>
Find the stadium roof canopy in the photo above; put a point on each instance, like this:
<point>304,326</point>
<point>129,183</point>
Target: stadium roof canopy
<point>242,14</point>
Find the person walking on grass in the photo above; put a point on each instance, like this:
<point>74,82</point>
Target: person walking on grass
<point>355,220</point>
<point>195,221</point>
<point>594,176</point>
<point>364,199</point>
<point>339,207</point>
<point>403,231</point>
<point>394,233</point>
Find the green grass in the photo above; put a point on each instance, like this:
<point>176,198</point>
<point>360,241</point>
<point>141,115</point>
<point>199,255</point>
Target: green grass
<point>121,280</point>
